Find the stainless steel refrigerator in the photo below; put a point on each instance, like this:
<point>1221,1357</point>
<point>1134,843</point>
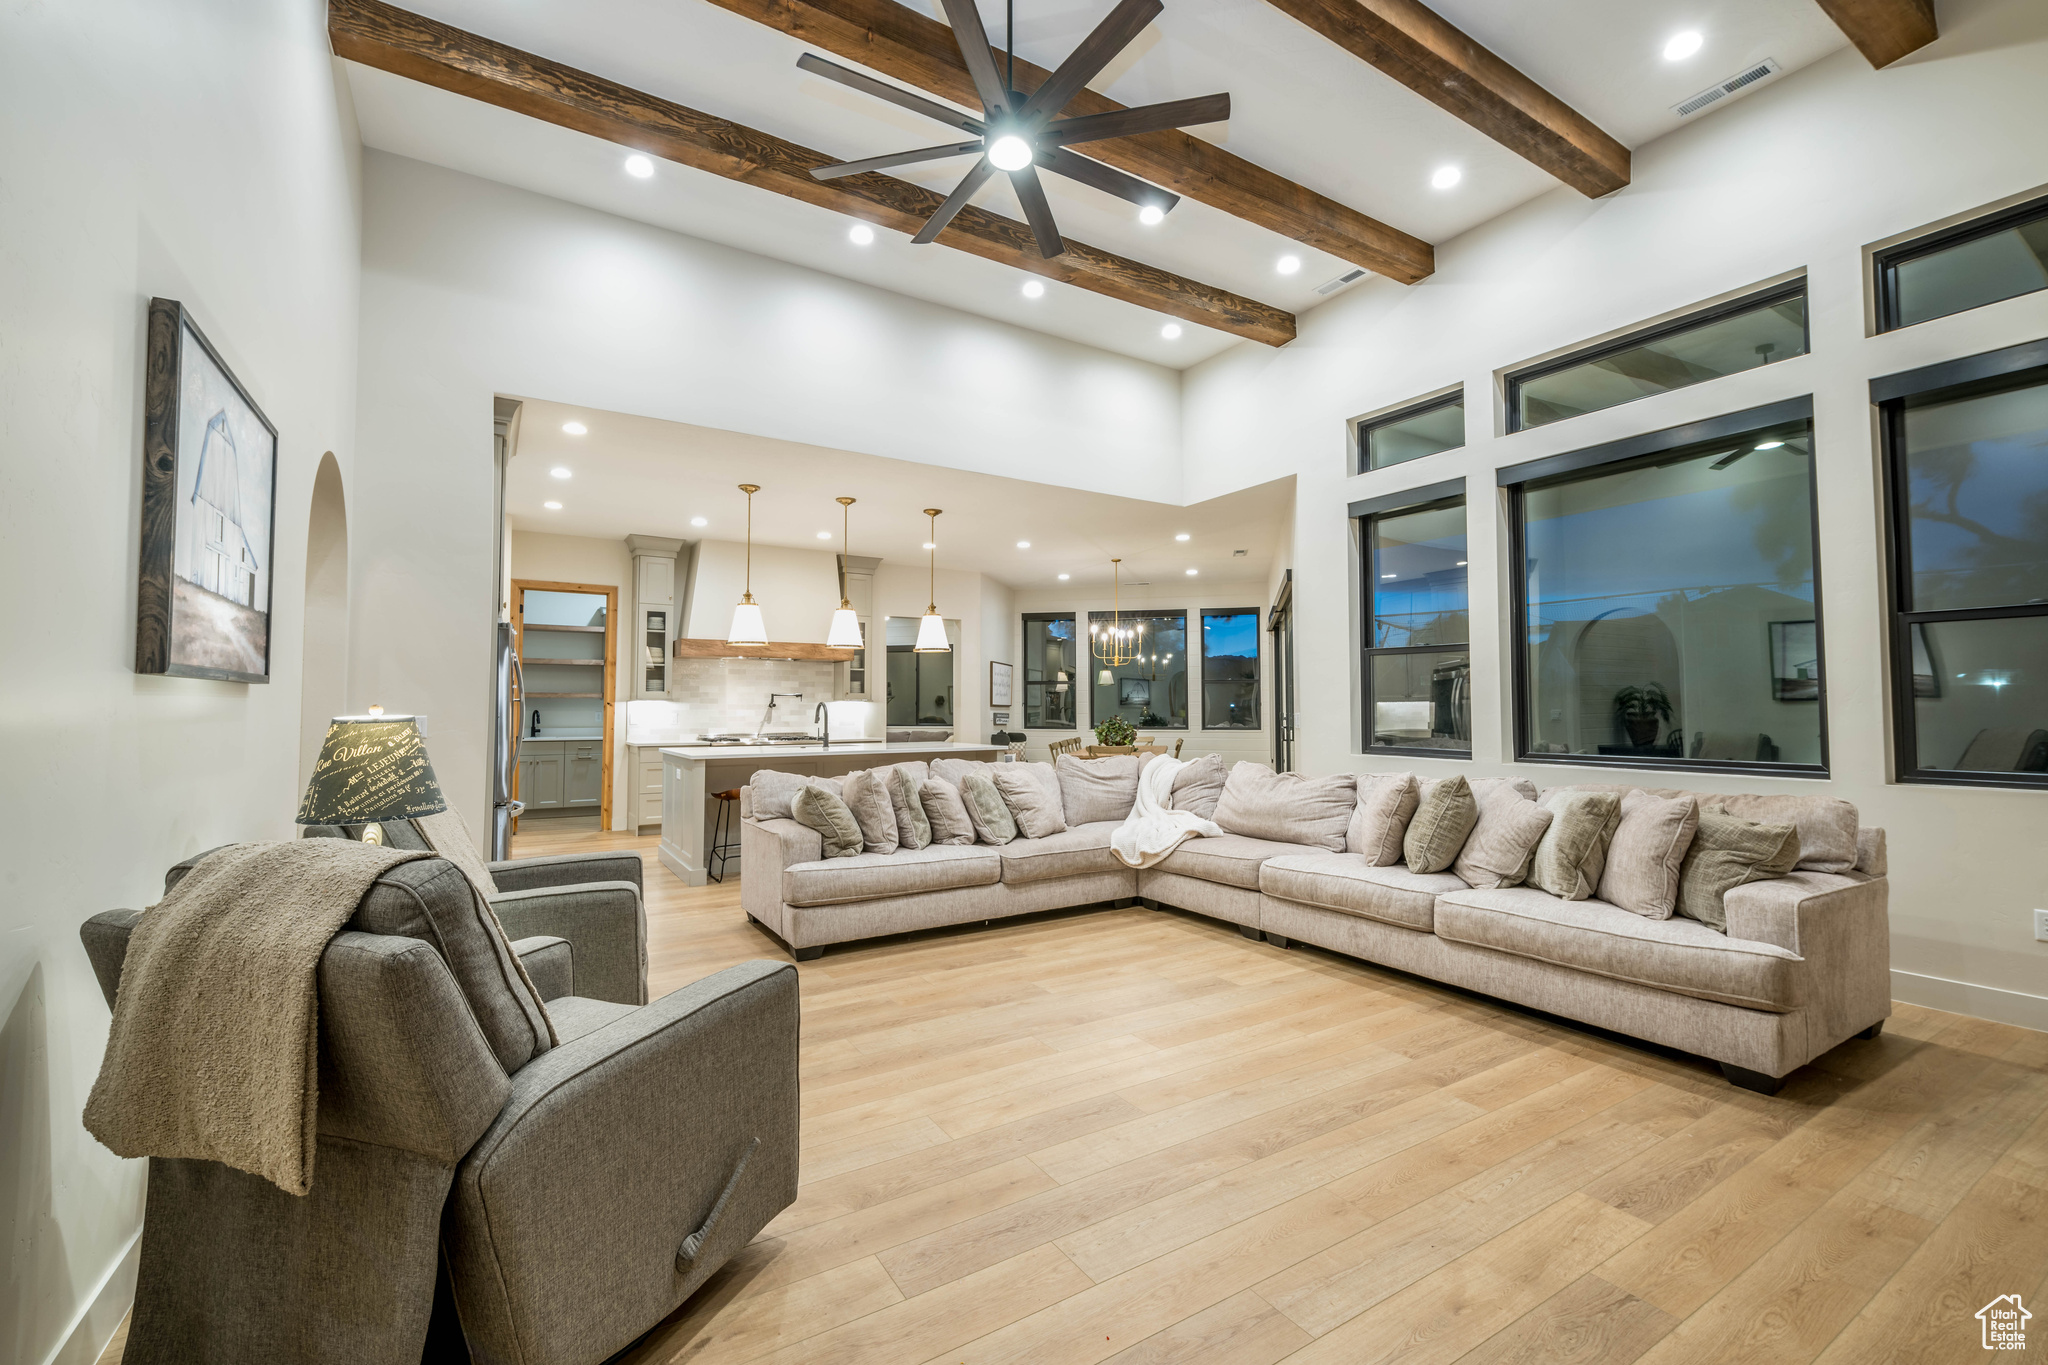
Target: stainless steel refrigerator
<point>508,705</point>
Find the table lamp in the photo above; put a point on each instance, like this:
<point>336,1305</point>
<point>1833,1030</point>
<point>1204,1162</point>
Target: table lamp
<point>371,769</point>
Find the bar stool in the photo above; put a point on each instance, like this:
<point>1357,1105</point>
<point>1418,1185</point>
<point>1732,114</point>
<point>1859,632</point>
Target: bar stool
<point>722,847</point>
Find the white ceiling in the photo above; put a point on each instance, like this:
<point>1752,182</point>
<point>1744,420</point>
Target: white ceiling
<point>1300,106</point>
<point>642,475</point>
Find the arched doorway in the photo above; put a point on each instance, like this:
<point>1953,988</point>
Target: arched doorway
<point>323,677</point>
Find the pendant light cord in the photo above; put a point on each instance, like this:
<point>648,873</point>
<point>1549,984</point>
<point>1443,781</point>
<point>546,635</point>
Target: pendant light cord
<point>1010,36</point>
<point>932,583</point>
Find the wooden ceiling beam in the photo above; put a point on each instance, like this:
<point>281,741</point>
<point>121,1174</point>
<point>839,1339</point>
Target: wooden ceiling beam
<point>914,48</point>
<point>1438,61</point>
<point>1884,30</point>
<point>425,50</point>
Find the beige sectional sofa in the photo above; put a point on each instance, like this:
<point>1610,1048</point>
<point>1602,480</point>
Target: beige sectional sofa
<point>1803,967</point>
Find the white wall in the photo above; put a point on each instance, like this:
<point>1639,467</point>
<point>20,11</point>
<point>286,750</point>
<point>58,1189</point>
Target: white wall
<point>1800,175</point>
<point>199,152</point>
<point>471,288</point>
<point>540,557</point>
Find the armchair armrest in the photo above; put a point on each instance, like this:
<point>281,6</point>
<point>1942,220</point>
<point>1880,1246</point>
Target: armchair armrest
<point>550,964</point>
<point>564,1228</point>
<point>567,869</point>
<point>606,929</point>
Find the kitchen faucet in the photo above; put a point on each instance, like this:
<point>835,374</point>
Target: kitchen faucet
<point>769,714</point>
<point>824,715</point>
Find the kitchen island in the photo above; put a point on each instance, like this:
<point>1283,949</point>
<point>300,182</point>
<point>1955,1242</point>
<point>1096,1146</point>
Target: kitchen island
<point>690,773</point>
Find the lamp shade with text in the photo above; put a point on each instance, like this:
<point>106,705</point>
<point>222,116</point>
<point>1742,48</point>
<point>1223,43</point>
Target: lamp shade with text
<point>371,769</point>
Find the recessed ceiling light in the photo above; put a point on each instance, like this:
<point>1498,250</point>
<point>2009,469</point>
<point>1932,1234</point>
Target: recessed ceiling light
<point>1182,536</point>
<point>1034,289</point>
<point>639,167</point>
<point>1446,176</point>
<point>1683,45</point>
<point>1151,215</point>
<point>824,535</point>
<point>1767,445</point>
<point>1287,265</point>
<point>1009,153</point>
<point>552,506</point>
<point>574,428</point>
<point>698,521</point>
<point>1171,331</point>
<point>560,471</point>
<point>928,545</point>
<point>1023,544</point>
<point>1193,572</point>
<point>860,234</point>
<point>1065,576</point>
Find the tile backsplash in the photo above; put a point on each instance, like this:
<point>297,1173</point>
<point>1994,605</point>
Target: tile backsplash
<point>715,696</point>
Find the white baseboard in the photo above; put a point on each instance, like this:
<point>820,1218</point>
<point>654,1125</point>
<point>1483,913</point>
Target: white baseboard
<point>1964,997</point>
<point>94,1327</point>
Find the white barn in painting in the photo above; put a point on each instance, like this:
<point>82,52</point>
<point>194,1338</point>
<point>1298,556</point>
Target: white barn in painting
<point>217,554</point>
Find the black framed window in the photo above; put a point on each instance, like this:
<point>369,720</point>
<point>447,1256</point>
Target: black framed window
<point>1997,257</point>
<point>1230,669</point>
<point>1417,664</point>
<point>1966,489</point>
<point>1424,428</point>
<point>1151,689</point>
<point>1742,335</point>
<point>1053,669</point>
<point>1666,599</point>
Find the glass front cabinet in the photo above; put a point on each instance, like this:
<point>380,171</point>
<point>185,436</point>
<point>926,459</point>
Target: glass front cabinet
<point>654,606</point>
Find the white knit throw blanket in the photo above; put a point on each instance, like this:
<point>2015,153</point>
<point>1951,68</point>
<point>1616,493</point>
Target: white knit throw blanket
<point>1153,829</point>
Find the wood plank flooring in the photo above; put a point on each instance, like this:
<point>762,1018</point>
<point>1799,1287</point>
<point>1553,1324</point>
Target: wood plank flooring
<point>1134,1137</point>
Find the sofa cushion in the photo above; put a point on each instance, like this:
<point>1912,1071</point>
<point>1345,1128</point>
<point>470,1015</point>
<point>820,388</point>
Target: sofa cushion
<point>993,823</point>
<point>1498,850</point>
<point>1679,955</point>
<point>823,811</point>
<point>867,796</point>
<point>1573,851</point>
<point>1646,852</point>
<point>1262,804</point>
<point>946,812</point>
<point>1727,852</point>
<point>913,827</point>
<point>1094,789</point>
<point>771,792</point>
<point>906,872</point>
<point>1198,786</point>
<point>1349,884</point>
<point>1444,814</point>
<point>1076,851</point>
<point>1032,792</point>
<point>1386,803</point>
<point>1829,840</point>
<point>1227,859</point>
<point>953,770</point>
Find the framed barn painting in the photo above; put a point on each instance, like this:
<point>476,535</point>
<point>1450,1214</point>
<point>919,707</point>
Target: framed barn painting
<point>209,504</point>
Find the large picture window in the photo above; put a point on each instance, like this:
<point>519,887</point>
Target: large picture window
<point>1053,668</point>
<point>1417,659</point>
<point>1151,690</point>
<point>1230,670</point>
<point>1666,599</point>
<point>1997,257</point>
<point>1967,488</point>
<point>1742,335</point>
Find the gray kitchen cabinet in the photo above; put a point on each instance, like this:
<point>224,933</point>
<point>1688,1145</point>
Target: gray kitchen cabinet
<point>540,774</point>
<point>647,786</point>
<point>583,773</point>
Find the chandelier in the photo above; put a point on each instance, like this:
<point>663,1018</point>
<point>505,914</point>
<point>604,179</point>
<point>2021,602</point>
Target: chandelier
<point>1113,643</point>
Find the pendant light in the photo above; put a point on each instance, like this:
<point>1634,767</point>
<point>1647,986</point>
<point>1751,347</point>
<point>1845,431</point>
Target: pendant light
<point>748,629</point>
<point>931,631</point>
<point>845,632</point>
<point>1115,644</point>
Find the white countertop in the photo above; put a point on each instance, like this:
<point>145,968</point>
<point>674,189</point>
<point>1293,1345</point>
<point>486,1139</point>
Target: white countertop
<point>766,752</point>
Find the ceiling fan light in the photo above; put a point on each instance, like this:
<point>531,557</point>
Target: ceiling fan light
<point>1009,153</point>
<point>1151,215</point>
<point>845,632</point>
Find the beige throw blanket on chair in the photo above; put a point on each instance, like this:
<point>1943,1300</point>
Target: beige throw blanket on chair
<point>214,1051</point>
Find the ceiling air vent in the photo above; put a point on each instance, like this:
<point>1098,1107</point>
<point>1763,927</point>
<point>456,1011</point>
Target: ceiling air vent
<point>1714,94</point>
<point>1334,285</point>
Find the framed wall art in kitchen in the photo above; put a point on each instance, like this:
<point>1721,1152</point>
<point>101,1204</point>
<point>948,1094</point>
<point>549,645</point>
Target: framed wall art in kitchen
<point>209,505</point>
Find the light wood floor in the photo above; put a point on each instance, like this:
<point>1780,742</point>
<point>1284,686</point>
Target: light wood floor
<point>1133,1136</point>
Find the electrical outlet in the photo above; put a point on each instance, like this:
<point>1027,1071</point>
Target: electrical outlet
<point>2041,926</point>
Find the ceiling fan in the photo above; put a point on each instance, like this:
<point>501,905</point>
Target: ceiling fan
<point>1018,134</point>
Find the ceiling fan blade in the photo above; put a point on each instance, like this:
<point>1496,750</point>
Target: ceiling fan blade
<point>868,85</point>
<point>981,63</point>
<point>1145,118</point>
<point>955,201</point>
<point>1031,194</point>
<point>1110,37</point>
<point>1109,180</point>
<point>883,163</point>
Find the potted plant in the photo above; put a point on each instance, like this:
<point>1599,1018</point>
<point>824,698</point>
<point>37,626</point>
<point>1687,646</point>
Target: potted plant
<point>1115,732</point>
<point>1643,712</point>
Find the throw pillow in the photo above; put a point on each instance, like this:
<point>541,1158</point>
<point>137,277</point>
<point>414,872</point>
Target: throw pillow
<point>1094,789</point>
<point>913,827</point>
<point>1287,807</point>
<point>1444,814</point>
<point>1728,852</point>
<point>993,823</point>
<point>772,792</point>
<point>820,809</point>
<point>1646,852</point>
<point>954,769</point>
<point>1032,792</point>
<point>945,811</point>
<point>1503,839</point>
<point>868,799</point>
<point>1573,851</point>
<point>1386,803</point>
<point>1198,786</point>
<point>1827,826</point>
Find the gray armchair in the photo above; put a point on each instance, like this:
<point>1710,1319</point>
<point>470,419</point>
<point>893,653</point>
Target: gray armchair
<point>568,1196</point>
